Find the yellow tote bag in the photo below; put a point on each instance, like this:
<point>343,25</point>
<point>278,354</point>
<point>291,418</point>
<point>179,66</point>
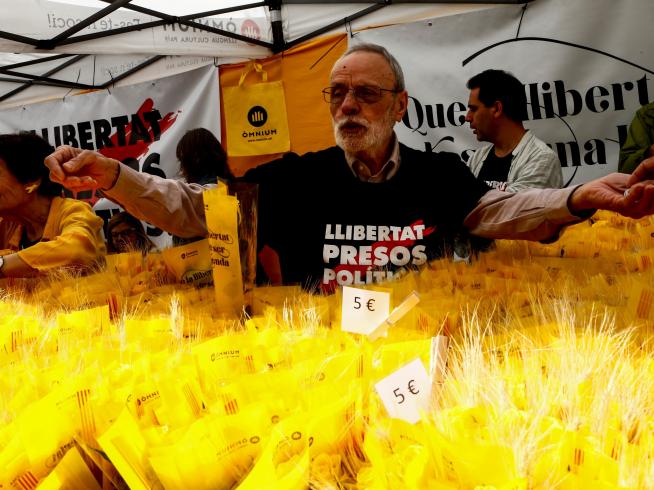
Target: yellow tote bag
<point>255,116</point>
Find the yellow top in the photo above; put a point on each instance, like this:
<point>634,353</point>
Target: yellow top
<point>72,237</point>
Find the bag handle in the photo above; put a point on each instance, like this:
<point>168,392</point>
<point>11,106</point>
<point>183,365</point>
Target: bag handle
<point>257,67</point>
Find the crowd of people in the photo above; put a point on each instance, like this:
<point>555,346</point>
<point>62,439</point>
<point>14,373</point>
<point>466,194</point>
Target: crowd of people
<point>353,213</point>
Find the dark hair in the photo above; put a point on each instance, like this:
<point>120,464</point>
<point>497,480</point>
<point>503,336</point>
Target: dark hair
<point>382,51</point>
<point>23,153</point>
<point>144,243</point>
<point>201,155</point>
<point>500,85</point>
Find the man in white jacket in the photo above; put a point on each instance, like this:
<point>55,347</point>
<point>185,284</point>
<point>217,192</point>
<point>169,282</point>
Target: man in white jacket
<point>515,160</point>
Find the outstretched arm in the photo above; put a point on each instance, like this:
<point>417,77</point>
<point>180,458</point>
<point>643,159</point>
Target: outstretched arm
<point>171,205</point>
<point>540,214</point>
<point>81,170</point>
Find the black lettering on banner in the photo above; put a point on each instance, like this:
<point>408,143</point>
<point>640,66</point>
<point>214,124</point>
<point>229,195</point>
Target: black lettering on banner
<point>85,136</point>
<point>139,131</point>
<point>151,165</point>
<point>120,123</point>
<point>102,130</point>
<point>153,117</point>
<point>68,133</point>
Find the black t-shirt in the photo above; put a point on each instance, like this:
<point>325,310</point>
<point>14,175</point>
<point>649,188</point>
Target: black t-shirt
<point>495,170</point>
<point>329,228</point>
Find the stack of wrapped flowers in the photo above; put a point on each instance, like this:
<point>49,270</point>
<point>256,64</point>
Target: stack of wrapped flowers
<point>114,380</point>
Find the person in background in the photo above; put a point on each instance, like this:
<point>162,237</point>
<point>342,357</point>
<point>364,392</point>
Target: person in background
<point>515,159</point>
<point>39,230</point>
<point>639,144</point>
<point>202,161</point>
<point>125,233</point>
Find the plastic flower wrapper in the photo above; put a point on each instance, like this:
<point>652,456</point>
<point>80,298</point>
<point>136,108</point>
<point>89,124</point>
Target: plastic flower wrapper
<point>336,419</point>
<point>261,322</point>
<point>71,472</point>
<point>341,367</point>
<point>387,358</point>
<point>574,462</point>
<point>125,264</point>
<point>278,390</point>
<point>398,456</point>
<point>285,460</point>
<point>300,346</point>
<point>44,431</point>
<point>471,456</point>
<point>127,450</point>
<point>81,325</point>
<point>153,334</point>
<point>214,452</point>
<point>276,296</point>
<point>325,469</point>
<point>181,400</point>
<point>71,292</point>
<point>17,333</point>
<point>221,358</point>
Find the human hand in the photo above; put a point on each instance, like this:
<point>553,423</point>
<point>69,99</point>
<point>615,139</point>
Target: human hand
<point>81,170</point>
<point>644,171</point>
<point>613,193</point>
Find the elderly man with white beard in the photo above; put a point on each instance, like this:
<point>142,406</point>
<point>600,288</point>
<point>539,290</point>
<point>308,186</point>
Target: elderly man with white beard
<point>360,211</point>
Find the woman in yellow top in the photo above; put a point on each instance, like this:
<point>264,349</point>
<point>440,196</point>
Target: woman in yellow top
<point>39,230</point>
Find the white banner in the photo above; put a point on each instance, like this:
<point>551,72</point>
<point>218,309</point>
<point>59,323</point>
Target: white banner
<point>586,65</point>
<point>43,19</point>
<point>139,125</point>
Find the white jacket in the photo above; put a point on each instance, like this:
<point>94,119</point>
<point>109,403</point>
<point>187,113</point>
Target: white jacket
<point>534,165</point>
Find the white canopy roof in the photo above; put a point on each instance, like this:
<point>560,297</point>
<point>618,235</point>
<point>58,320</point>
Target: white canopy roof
<point>50,47</point>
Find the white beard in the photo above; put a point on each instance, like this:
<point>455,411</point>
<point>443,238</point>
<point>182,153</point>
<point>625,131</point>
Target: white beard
<point>376,134</point>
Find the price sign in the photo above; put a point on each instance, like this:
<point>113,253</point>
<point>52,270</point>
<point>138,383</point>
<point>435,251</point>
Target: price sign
<point>363,310</point>
<point>406,392</point>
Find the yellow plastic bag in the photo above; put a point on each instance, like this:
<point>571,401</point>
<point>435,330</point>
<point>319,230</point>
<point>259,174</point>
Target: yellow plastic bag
<point>221,212</point>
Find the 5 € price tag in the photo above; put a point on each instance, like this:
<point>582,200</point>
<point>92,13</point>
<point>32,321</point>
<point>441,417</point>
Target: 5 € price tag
<point>406,392</point>
<point>363,310</point>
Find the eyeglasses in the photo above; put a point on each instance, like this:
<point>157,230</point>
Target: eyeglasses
<point>365,94</point>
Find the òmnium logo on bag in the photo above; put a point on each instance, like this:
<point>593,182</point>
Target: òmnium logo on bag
<point>257,116</point>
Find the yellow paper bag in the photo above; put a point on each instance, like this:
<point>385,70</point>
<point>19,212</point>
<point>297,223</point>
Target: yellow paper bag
<point>255,116</point>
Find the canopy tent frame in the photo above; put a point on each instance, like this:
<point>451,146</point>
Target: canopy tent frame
<point>278,44</point>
